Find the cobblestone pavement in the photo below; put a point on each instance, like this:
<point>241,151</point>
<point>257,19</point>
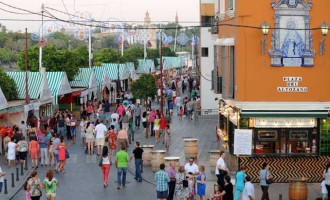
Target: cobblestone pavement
<point>83,178</point>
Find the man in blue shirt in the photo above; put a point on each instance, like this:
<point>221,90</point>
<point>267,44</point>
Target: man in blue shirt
<point>162,179</point>
<point>55,142</point>
<point>106,106</point>
<point>240,177</point>
<point>43,143</point>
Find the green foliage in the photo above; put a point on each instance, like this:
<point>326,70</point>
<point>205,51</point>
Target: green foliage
<point>144,87</point>
<point>65,60</point>
<point>8,86</point>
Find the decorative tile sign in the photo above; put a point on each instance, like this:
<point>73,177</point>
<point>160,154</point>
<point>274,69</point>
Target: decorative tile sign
<point>292,85</point>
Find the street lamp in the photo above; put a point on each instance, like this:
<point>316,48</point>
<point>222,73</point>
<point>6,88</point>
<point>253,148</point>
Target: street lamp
<point>324,31</point>
<point>265,29</point>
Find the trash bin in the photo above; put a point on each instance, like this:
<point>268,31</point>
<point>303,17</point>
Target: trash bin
<point>147,149</point>
<point>157,158</point>
<point>191,148</point>
<point>298,188</point>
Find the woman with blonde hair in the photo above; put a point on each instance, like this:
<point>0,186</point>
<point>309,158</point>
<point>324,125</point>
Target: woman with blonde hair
<point>50,184</point>
<point>181,193</point>
<point>201,182</point>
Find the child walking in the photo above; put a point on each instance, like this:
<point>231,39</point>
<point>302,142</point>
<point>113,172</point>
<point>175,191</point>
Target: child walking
<point>181,113</point>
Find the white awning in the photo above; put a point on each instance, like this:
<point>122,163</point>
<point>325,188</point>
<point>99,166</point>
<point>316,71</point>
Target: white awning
<point>297,109</point>
<point>225,42</point>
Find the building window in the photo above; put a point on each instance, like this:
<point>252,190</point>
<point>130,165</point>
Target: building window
<point>206,21</point>
<point>231,5</point>
<point>222,7</point>
<point>205,52</point>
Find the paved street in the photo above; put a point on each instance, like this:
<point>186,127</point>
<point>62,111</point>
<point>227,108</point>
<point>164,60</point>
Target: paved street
<point>83,178</point>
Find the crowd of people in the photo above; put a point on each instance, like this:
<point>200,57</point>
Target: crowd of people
<point>109,134</point>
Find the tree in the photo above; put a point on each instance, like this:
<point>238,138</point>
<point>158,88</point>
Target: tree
<point>144,87</point>
<point>8,86</point>
<point>65,60</point>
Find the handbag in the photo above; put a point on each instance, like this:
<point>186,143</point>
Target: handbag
<point>268,181</point>
<point>100,163</point>
<point>185,182</point>
<point>67,155</point>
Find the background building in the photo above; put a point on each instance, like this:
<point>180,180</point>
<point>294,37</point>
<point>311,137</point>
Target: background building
<point>274,76</point>
<point>209,89</point>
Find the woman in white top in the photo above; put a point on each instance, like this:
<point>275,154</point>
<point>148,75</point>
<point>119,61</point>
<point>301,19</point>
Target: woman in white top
<point>326,176</point>
<point>89,138</point>
<point>106,162</point>
<point>11,151</point>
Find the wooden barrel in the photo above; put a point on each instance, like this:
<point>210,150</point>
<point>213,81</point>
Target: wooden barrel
<point>298,189</point>
<point>174,159</point>
<point>147,149</point>
<point>213,158</point>
<point>157,158</point>
<point>191,148</point>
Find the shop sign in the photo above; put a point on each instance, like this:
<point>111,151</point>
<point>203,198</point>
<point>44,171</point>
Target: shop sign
<point>292,85</point>
<point>243,142</point>
<point>269,122</point>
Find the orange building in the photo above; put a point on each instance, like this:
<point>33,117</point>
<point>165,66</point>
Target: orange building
<point>275,67</point>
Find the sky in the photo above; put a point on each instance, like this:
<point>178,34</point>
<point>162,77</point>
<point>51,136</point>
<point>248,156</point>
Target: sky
<point>124,10</point>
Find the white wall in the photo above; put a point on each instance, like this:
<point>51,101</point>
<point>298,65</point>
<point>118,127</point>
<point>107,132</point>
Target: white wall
<point>207,65</point>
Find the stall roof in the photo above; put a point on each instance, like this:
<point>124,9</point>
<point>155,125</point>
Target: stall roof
<point>131,69</point>
<point>3,101</point>
<point>59,84</point>
<point>112,71</point>
<point>86,78</point>
<point>37,85</point>
<point>290,109</point>
<point>145,66</point>
<point>172,62</point>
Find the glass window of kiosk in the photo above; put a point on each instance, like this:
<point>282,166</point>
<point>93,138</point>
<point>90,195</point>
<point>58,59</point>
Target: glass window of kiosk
<point>299,141</point>
<point>267,141</point>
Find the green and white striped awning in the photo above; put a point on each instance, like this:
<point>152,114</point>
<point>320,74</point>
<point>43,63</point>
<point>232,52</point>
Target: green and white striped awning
<point>34,83</point>
<point>59,84</point>
<point>145,66</point>
<point>82,79</point>
<point>171,62</point>
<point>112,70</point>
<point>102,77</point>
<point>85,78</point>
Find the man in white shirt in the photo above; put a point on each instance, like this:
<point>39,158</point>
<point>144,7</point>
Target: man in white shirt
<point>178,104</point>
<point>114,116</point>
<point>221,169</point>
<point>248,192</point>
<point>100,131</point>
<point>191,167</point>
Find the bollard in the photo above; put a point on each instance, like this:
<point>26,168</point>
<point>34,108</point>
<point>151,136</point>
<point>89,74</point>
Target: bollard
<point>12,180</point>
<point>280,197</point>
<point>5,182</point>
<point>17,174</point>
<point>22,171</point>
